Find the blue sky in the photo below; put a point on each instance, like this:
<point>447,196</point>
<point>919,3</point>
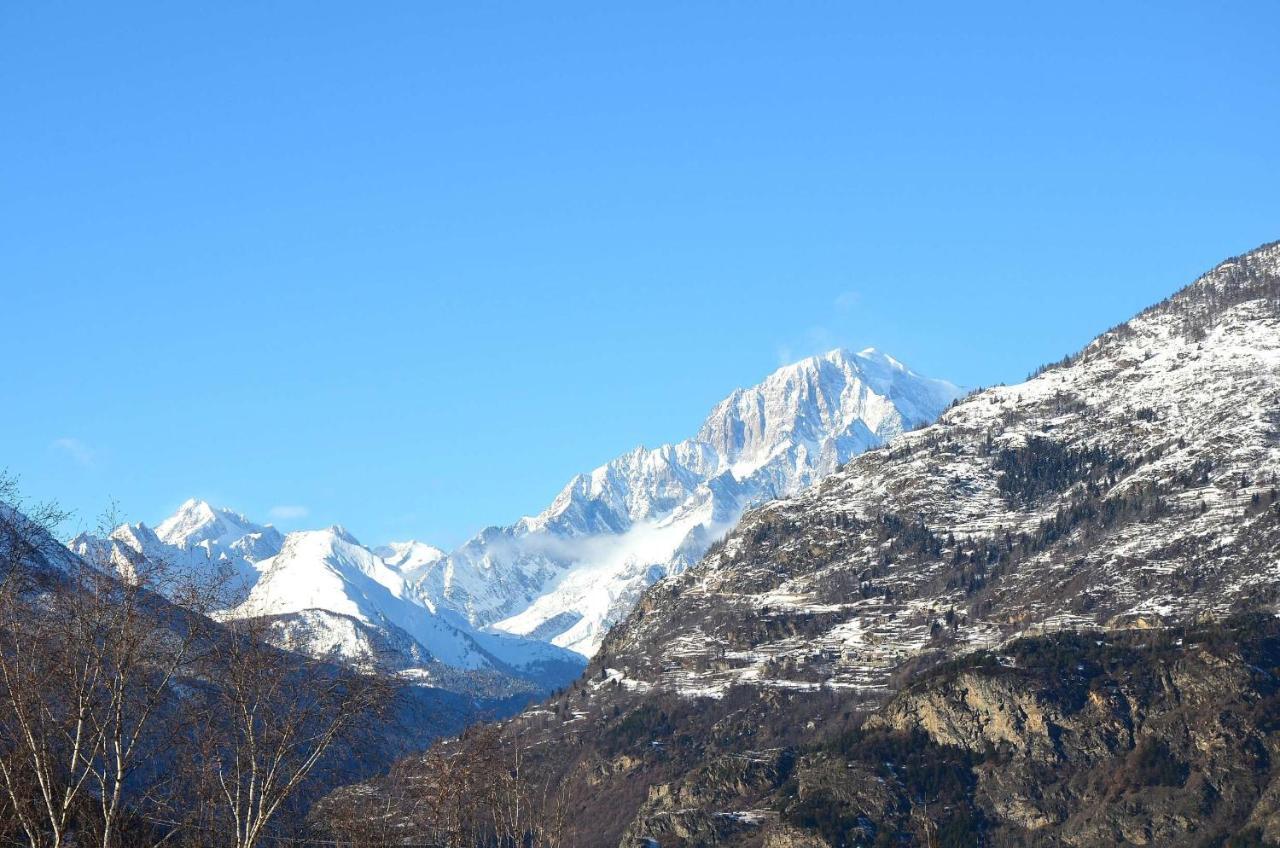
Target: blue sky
<point>409,266</point>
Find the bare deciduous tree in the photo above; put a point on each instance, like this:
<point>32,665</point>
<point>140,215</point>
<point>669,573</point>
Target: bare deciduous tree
<point>271,718</point>
<point>129,716</point>
<point>473,793</point>
<point>89,655</point>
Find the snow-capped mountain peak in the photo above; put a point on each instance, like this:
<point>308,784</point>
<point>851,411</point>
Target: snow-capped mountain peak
<point>411,558</point>
<point>838,403</point>
<point>342,533</point>
<point>198,521</point>
<point>326,594</point>
<point>569,572</point>
<point>322,569</point>
<point>1134,483</point>
<point>221,533</point>
<point>137,535</point>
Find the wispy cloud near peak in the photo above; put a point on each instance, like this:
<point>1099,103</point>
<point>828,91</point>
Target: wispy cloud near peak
<point>847,300</point>
<point>70,446</point>
<point>288,512</point>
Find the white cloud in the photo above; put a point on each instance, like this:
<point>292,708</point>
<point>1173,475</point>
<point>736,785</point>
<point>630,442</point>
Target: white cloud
<point>813,342</point>
<point>288,512</point>
<point>846,300</point>
<point>74,448</point>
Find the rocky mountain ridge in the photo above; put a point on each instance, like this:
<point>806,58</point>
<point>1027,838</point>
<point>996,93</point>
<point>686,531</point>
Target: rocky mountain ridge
<point>569,573</point>
<point>1135,482</point>
<point>1047,619</point>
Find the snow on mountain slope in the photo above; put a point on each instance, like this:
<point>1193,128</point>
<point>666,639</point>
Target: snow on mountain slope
<point>197,541</point>
<point>411,559</point>
<point>129,545</point>
<point>197,525</point>
<point>821,412</point>
<point>329,570</point>
<point>571,572</point>
<point>1137,482</point>
<point>327,595</point>
<point>328,592</point>
<point>513,599</point>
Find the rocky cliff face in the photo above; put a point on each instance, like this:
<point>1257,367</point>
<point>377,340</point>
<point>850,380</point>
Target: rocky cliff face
<point>1156,738</point>
<point>1162,737</point>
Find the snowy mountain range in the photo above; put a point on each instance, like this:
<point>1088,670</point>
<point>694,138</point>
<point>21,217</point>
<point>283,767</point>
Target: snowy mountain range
<point>569,573</point>
<point>328,595</point>
<point>524,602</point>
